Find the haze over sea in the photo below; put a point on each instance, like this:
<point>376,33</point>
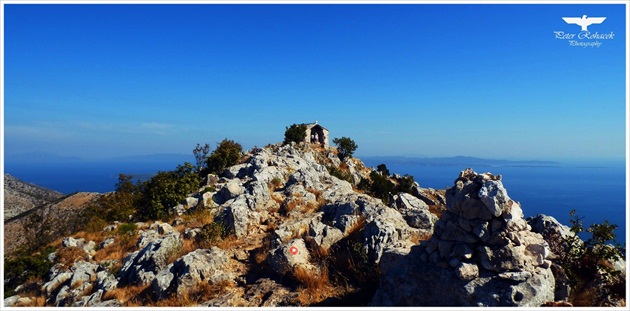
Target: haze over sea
<point>595,189</point>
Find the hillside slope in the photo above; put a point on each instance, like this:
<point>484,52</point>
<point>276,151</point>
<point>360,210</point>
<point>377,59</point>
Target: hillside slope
<point>20,196</point>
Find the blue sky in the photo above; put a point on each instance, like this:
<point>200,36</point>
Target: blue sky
<point>416,80</point>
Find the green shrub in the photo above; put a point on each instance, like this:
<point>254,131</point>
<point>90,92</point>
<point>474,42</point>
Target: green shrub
<point>404,184</point>
<point>383,169</point>
<point>339,173</point>
<point>19,270</point>
<point>211,234</point>
<point>381,187</point>
<point>114,206</point>
<point>587,263</point>
<point>345,146</point>
<point>165,190</point>
<point>127,229</point>
<point>295,133</point>
<point>228,153</point>
<point>276,182</point>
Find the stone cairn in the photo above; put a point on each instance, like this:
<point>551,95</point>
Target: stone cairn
<point>483,232</point>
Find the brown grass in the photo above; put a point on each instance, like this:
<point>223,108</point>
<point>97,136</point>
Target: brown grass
<point>97,237</point>
<point>126,295</point>
<point>358,226</point>
<point>202,291</point>
<point>317,252</point>
<point>437,210</point>
<point>277,198</point>
<point>118,250</point>
<point>312,280</point>
<point>68,255</point>
<point>37,301</point>
<point>310,207</point>
<point>422,236</point>
<point>261,253</point>
<point>229,242</point>
<point>196,219</point>
<point>319,200</point>
<point>315,285</point>
<point>584,298</point>
<point>291,205</point>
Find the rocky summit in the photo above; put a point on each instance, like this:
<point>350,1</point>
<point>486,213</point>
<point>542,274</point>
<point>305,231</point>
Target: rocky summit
<point>285,228</point>
<point>482,251</point>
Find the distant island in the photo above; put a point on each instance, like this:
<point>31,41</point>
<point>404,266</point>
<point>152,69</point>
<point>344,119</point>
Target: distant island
<point>458,161</point>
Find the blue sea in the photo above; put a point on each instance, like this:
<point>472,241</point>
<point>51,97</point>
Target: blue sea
<point>597,191</point>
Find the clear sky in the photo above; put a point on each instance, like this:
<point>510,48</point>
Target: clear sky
<point>416,80</point>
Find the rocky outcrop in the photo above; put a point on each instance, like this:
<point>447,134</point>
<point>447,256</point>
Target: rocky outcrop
<point>202,265</point>
<point>482,252</point>
<point>20,196</point>
<point>140,267</point>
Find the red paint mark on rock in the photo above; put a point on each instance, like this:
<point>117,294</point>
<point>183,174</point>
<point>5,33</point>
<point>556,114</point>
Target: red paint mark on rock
<point>293,250</point>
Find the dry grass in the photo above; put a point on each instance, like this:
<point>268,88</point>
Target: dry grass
<point>126,295</point>
<point>261,253</point>
<point>310,207</point>
<point>317,252</point>
<point>196,219</point>
<point>315,285</point>
<point>319,199</point>
<point>357,226</point>
<point>202,291</point>
<point>229,242</point>
<point>291,205</point>
<point>97,237</point>
<point>68,255</point>
<point>277,198</point>
<point>188,246</point>
<point>437,210</point>
<point>118,250</point>
<point>422,236</point>
<point>584,298</point>
<point>312,279</point>
<point>37,301</point>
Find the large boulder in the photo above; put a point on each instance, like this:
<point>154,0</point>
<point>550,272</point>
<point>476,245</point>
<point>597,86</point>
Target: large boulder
<point>415,211</point>
<point>481,253</point>
<point>141,266</point>
<point>287,256</point>
<point>201,265</point>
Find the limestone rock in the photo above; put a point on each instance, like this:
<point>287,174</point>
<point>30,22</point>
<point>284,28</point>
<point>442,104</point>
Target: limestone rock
<point>284,258</point>
<point>141,266</point>
<point>59,279</point>
<point>83,272</point>
<point>415,211</point>
<point>481,251</point>
<point>202,265</point>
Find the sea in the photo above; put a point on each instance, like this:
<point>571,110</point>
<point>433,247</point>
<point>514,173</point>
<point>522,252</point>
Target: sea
<point>595,190</point>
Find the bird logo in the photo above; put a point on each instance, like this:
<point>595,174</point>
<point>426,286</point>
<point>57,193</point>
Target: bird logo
<point>584,21</point>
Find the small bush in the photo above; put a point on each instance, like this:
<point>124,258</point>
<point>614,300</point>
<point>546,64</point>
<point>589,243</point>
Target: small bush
<point>276,183</point>
<point>228,153</point>
<point>295,133</point>
<point>405,184</point>
<point>341,174</point>
<point>22,268</point>
<point>127,229</point>
<point>587,264</point>
<point>346,147</point>
<point>211,234</point>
